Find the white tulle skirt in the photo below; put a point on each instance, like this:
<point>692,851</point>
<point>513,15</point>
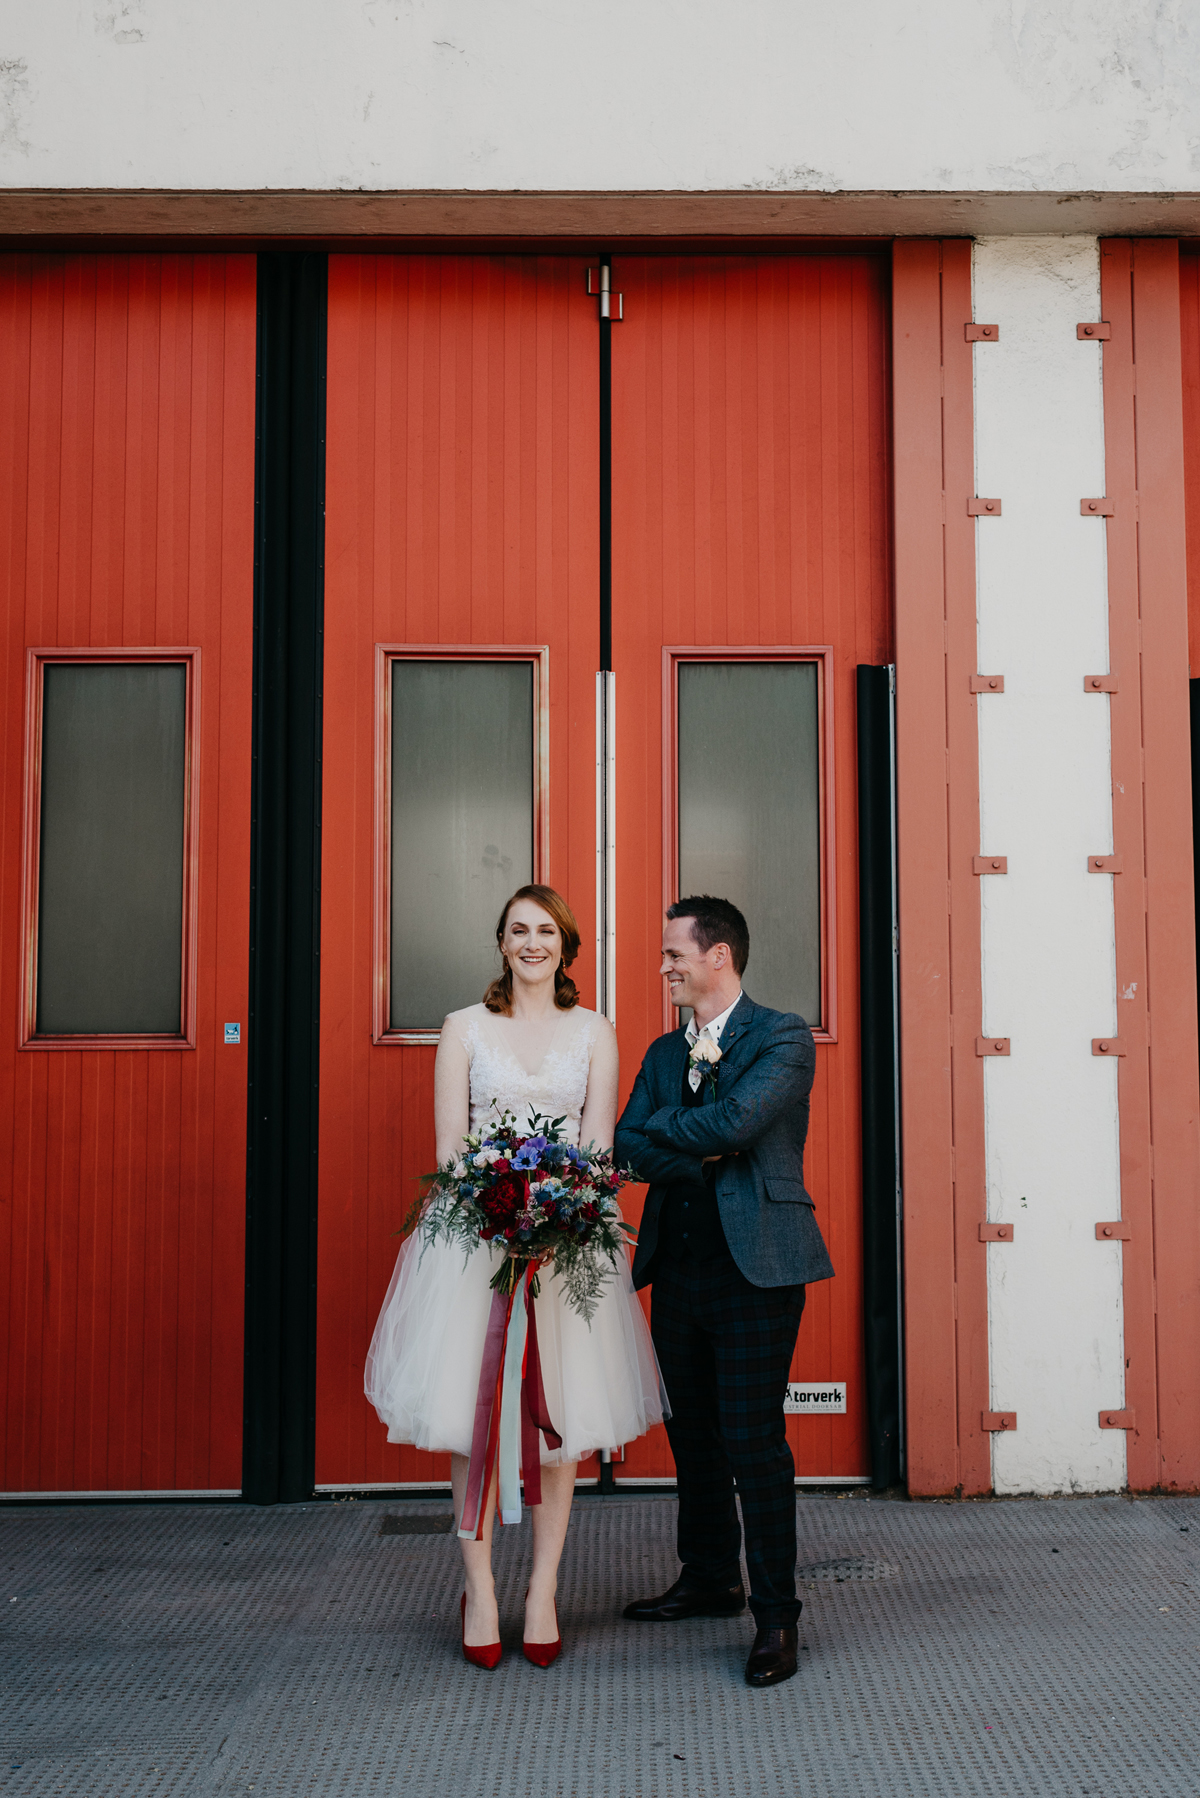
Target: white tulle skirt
<point>602,1383</point>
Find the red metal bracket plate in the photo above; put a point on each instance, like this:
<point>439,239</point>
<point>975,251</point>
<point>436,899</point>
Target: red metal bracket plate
<point>981,333</point>
<point>992,1045</point>
<point>1117,1420</point>
<point>995,1232</point>
<point>1099,683</point>
<point>1117,1231</point>
<point>987,683</point>
<point>1098,332</point>
<point>1098,508</point>
<point>989,864</point>
<point>1105,864</point>
<point>983,508</point>
<point>998,1420</point>
<point>1107,1045</point>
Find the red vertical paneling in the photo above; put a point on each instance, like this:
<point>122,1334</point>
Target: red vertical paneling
<point>750,506</point>
<point>126,518</point>
<point>938,828</point>
<point>462,507</point>
<point>1147,457</point>
<point>1170,899</point>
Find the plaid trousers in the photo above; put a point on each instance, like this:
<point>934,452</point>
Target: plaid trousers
<point>725,1348</point>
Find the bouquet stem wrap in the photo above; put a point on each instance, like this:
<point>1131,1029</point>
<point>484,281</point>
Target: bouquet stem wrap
<point>510,1409</point>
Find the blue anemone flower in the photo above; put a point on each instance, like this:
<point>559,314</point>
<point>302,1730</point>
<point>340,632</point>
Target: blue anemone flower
<point>530,1154</point>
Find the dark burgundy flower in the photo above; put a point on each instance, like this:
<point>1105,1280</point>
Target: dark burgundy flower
<point>504,1201</point>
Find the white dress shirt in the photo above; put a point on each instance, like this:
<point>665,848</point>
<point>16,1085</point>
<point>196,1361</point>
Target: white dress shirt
<point>713,1030</point>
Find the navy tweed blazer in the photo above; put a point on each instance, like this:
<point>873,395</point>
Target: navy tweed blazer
<point>757,1122</point>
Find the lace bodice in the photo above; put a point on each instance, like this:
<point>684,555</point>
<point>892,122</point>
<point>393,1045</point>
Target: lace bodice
<point>500,1083</point>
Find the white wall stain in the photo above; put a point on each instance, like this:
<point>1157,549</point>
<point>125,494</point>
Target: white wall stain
<point>123,21</point>
<point>796,179</point>
<point>14,98</point>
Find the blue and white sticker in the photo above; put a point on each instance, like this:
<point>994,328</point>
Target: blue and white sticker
<point>233,1033</point>
<point>814,1398</point>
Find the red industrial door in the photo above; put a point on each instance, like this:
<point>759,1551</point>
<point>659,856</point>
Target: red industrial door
<point>750,575</point>
<point>461,633</point>
<point>750,570</point>
<point>127,392</point>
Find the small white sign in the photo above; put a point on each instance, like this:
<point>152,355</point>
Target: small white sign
<point>811,1398</point>
<point>233,1033</point>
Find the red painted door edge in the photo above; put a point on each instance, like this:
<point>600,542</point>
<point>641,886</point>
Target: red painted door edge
<point>1155,923</point>
<point>942,1090</point>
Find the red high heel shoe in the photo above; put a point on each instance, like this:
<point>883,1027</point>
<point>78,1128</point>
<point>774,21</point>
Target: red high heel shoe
<point>486,1657</point>
<point>543,1654</point>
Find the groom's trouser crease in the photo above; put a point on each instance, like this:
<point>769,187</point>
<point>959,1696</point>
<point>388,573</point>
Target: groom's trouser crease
<point>725,1348</point>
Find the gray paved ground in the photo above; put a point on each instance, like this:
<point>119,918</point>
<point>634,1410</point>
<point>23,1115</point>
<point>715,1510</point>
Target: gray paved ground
<point>1010,1648</point>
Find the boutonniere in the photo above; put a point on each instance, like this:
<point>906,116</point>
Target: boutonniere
<point>704,1056</point>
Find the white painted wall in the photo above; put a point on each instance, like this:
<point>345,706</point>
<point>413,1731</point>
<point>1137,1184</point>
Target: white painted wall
<point>1049,958</point>
<point>649,94</point>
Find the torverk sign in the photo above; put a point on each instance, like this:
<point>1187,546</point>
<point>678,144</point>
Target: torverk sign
<point>810,1398</point>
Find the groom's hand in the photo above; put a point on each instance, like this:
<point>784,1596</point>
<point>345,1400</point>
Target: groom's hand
<point>650,1161</point>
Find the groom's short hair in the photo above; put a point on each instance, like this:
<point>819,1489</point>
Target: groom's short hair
<point>716,921</point>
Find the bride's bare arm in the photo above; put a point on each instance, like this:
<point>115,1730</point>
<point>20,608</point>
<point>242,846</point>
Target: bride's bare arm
<point>451,1094</point>
<point>600,1107</point>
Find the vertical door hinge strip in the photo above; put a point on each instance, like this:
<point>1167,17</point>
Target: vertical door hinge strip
<point>599,282</point>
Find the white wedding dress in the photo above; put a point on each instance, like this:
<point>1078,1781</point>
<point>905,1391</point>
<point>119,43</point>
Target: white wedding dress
<point>601,1380</point>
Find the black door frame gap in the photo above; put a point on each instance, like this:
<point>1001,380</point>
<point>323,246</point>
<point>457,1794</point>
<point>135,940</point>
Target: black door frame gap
<point>279,1443</point>
<point>606,485</point>
<point>882,1308</point>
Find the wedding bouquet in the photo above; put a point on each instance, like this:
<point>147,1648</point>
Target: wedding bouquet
<point>545,1201</point>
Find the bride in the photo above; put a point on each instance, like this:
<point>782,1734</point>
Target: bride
<point>530,1047</point>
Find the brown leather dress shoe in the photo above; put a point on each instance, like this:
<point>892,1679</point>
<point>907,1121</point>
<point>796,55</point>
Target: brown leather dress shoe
<point>685,1599</point>
<point>773,1657</point>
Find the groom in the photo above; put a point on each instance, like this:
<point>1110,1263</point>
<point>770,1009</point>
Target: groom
<point>716,1124</point>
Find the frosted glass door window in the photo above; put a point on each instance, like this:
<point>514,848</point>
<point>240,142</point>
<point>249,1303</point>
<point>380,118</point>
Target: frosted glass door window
<point>749,815</point>
<point>462,827</point>
<point>110,889</point>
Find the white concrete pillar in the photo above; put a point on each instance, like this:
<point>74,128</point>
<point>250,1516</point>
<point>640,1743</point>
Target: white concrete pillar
<point>1049,966</point>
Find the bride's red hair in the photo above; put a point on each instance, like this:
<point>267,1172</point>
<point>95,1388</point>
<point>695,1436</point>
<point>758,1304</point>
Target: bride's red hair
<point>499,995</point>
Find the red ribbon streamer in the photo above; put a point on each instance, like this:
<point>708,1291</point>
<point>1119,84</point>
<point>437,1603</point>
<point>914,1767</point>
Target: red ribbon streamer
<point>535,1413</point>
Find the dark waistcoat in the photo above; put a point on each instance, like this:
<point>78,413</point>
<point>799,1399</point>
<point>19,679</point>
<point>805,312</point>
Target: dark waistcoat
<point>689,1224</point>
